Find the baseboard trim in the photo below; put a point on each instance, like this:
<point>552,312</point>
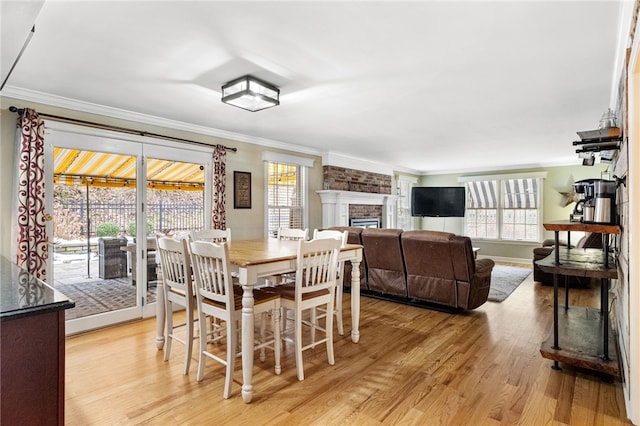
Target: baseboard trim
<point>508,259</point>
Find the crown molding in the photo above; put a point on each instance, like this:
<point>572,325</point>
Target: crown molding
<point>121,114</point>
<point>337,159</point>
<point>566,161</point>
<point>329,158</point>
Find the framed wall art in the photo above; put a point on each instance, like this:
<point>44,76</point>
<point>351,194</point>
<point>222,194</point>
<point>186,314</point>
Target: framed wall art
<point>241,190</point>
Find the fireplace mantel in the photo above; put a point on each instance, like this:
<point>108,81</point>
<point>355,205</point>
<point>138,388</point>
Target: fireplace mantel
<point>335,206</point>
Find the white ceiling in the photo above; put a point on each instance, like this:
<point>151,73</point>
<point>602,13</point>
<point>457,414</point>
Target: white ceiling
<point>424,86</point>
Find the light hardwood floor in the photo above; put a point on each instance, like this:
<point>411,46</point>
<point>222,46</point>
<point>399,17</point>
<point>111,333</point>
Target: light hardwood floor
<point>411,366</point>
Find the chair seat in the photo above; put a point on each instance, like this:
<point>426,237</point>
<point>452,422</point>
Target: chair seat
<point>259,296</point>
<point>288,291</point>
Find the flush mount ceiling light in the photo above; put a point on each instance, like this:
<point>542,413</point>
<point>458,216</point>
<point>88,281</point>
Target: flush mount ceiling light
<point>250,93</point>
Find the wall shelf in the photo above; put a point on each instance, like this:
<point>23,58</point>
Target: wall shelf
<point>599,140</point>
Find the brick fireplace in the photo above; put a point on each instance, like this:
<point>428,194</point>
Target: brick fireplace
<point>350,194</point>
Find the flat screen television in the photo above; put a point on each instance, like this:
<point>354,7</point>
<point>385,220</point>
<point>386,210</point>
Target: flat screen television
<point>438,201</point>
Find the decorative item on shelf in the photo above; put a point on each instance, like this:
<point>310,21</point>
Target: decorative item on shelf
<point>607,120</point>
<point>250,93</point>
<point>605,141</point>
<point>588,158</point>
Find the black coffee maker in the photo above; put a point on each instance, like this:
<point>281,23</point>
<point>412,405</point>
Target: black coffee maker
<point>585,207</point>
<point>597,203</point>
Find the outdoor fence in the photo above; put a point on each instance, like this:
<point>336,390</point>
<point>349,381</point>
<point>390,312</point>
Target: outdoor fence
<point>71,217</point>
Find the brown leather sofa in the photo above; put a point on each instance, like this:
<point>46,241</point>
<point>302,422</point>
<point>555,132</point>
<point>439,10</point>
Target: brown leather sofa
<point>421,266</point>
<point>441,269</point>
<point>590,240</point>
<point>385,264</point>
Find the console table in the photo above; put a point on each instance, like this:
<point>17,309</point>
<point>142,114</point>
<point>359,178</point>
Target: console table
<point>581,336</point>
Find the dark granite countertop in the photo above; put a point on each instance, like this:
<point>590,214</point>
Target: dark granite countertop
<point>22,294</point>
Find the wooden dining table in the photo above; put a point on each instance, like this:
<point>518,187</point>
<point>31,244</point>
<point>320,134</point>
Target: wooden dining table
<point>253,259</point>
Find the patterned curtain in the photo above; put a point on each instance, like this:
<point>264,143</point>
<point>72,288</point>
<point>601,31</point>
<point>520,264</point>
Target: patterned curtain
<point>218,215</point>
<point>32,248</point>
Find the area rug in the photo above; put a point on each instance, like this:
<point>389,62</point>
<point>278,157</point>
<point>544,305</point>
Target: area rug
<point>504,280</point>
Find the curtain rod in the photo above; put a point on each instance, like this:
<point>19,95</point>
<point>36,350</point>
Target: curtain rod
<point>119,129</point>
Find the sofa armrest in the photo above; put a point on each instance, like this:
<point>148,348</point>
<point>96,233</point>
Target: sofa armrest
<point>484,265</point>
<point>541,252</point>
<point>549,242</point>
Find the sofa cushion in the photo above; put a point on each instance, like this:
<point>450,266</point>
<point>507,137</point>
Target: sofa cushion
<point>430,272</point>
<point>385,264</point>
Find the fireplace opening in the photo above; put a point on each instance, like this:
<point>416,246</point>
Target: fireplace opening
<point>365,222</point>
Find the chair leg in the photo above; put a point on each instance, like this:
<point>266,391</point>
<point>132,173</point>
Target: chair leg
<point>202,327</point>
<point>329,333</point>
<point>277,341</point>
<point>188,343</point>
<point>313,320</point>
<point>263,321</point>
<point>283,320</point>
<point>298,344</point>
<point>232,340</point>
<point>169,321</point>
<point>339,308</point>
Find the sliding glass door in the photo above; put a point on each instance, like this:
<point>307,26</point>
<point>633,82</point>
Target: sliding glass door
<point>110,196</point>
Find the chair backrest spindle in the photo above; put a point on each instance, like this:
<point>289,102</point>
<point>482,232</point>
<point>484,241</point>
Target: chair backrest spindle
<point>211,235</point>
<point>212,277</point>
<point>318,261</point>
<point>292,234</point>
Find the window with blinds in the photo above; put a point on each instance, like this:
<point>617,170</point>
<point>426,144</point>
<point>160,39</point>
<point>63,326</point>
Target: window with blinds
<point>285,197</point>
<point>506,209</point>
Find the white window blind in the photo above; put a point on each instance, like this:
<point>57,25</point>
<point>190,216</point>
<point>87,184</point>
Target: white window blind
<point>285,197</point>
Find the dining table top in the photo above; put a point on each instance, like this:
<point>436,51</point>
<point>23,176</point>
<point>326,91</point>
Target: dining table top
<point>245,253</point>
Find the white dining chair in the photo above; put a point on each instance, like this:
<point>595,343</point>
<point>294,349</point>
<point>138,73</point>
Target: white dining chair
<point>315,283</point>
<point>217,297</point>
<point>211,235</point>
<point>342,236</point>
<point>287,234</point>
<point>178,290</point>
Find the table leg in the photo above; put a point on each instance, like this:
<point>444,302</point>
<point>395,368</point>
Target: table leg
<point>355,301</point>
<point>160,315</point>
<point>566,292</point>
<point>604,286</point>
<point>555,366</point>
<point>247,340</point>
